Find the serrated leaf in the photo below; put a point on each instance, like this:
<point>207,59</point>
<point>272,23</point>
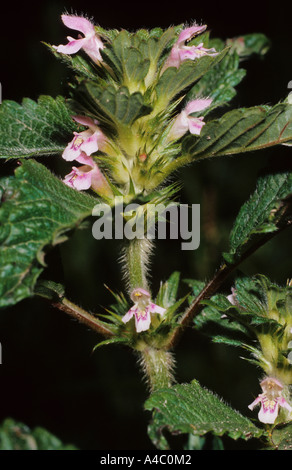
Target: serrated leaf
<point>261,213</point>
<point>36,213</point>
<point>192,409</point>
<point>242,130</point>
<point>35,128</point>
<point>17,436</point>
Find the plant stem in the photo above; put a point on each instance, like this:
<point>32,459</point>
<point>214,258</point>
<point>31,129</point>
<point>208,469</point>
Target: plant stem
<point>212,287</point>
<point>136,259</point>
<point>157,366</point>
<point>82,316</point>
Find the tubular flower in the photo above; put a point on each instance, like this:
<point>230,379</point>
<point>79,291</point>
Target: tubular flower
<point>271,399</point>
<point>87,176</point>
<point>181,52</point>
<point>90,43</point>
<point>85,142</point>
<point>184,122</point>
<point>142,309</point>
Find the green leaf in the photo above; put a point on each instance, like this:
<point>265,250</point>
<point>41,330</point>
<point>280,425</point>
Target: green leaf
<point>241,130</point>
<point>219,82</point>
<point>36,213</point>
<point>176,80</point>
<point>118,106</point>
<point>35,128</point>
<point>18,436</point>
<point>192,409</point>
<point>264,212</point>
<point>282,437</point>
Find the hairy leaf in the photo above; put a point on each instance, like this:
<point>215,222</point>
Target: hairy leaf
<point>35,128</point>
<point>36,212</point>
<point>192,409</point>
<point>242,130</point>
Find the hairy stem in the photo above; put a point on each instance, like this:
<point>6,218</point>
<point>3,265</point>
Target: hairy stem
<point>157,366</point>
<point>135,260</point>
<point>82,316</point>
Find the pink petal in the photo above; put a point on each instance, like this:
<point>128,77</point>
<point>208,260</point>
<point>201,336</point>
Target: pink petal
<point>142,322</point>
<point>90,145</point>
<point>85,159</point>
<point>129,315</point>
<point>92,47</point>
<point>156,309</point>
<point>268,415</point>
<point>79,23</point>
<point>255,402</point>
<point>197,105</point>
<point>72,47</point>
<point>189,33</point>
<point>195,125</point>
<point>284,404</point>
<point>85,121</point>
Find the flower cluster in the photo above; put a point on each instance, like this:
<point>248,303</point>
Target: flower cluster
<point>80,149</point>
<point>142,309</point>
<point>86,143</point>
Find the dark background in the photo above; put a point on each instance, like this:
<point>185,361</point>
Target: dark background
<point>49,376</point>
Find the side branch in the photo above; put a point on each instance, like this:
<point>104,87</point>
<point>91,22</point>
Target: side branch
<point>212,287</point>
<point>82,316</point>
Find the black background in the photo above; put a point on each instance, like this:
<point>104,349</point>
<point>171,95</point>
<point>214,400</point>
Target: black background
<point>49,376</point>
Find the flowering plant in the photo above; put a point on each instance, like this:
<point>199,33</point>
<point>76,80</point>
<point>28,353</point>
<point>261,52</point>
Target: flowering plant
<point>141,106</point>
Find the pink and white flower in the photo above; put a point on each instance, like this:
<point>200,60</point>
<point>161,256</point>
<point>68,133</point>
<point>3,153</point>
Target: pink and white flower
<point>270,400</point>
<point>85,142</point>
<point>90,43</point>
<point>87,176</point>
<point>184,122</point>
<point>181,52</point>
<point>142,309</point>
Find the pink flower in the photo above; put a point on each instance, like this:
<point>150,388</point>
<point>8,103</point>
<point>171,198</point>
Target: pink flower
<point>184,122</point>
<point>90,43</point>
<point>270,400</point>
<point>85,142</point>
<point>181,52</point>
<point>142,309</point>
<point>86,176</point>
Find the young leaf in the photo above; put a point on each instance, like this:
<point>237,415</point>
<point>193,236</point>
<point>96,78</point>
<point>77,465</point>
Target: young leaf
<point>37,211</point>
<point>192,409</point>
<point>35,128</point>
